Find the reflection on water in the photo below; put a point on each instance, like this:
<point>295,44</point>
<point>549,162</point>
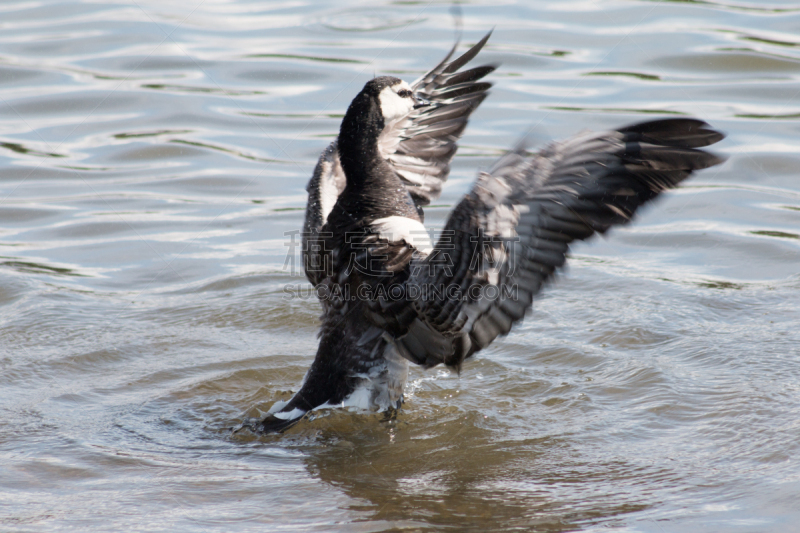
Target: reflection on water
<point>153,159</point>
<point>411,476</point>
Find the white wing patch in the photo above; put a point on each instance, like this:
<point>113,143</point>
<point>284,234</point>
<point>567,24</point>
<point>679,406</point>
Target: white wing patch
<point>396,229</point>
<point>328,194</point>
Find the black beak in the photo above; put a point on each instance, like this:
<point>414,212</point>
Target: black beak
<point>420,102</point>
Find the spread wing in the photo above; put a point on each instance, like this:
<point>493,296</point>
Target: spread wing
<point>508,236</point>
<point>421,145</point>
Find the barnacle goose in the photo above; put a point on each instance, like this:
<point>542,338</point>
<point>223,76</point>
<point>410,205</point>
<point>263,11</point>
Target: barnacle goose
<point>390,297</point>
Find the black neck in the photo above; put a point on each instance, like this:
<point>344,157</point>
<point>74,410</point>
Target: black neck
<point>373,188</point>
<point>358,141</point>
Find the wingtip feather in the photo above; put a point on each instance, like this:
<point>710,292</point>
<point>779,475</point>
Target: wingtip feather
<point>467,56</point>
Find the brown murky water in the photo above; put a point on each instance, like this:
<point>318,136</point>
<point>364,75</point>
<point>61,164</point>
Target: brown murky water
<point>152,157</point>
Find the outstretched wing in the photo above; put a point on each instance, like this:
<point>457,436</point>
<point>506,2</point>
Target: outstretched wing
<point>507,237</point>
<point>421,145</point>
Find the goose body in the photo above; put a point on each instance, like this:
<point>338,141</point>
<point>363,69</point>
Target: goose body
<point>391,297</point>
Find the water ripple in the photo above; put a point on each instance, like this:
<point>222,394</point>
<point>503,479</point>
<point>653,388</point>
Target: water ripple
<point>153,162</point>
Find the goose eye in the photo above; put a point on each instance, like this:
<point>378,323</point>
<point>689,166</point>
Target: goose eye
<point>404,93</point>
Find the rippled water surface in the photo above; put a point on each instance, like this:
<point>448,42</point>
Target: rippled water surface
<point>154,153</point>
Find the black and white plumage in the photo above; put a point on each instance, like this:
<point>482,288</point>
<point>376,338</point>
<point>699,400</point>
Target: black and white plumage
<point>388,295</point>
<point>418,146</point>
<point>391,158</point>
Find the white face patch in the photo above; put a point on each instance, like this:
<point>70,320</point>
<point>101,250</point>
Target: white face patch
<point>394,106</point>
